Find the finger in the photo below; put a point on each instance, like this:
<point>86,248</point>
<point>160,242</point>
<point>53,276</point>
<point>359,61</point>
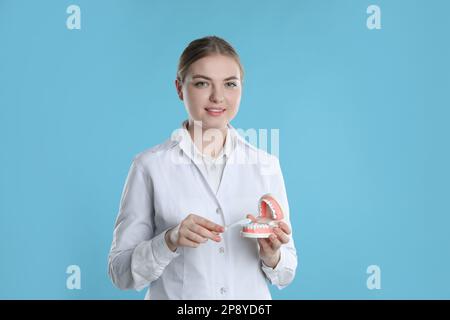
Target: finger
<point>251,217</point>
<point>264,244</point>
<point>284,226</point>
<point>275,243</point>
<point>208,224</point>
<point>194,237</point>
<point>283,237</point>
<point>203,232</point>
<point>188,243</point>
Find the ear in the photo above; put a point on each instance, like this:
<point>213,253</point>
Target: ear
<point>179,88</point>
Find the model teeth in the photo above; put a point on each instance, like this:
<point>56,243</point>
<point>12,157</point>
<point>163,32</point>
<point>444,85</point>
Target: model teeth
<point>272,208</point>
<point>263,225</point>
<point>255,226</point>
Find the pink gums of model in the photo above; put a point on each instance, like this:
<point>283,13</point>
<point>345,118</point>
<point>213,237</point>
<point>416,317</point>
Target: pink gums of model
<point>270,212</point>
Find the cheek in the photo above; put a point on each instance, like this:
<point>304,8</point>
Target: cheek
<point>196,98</point>
<point>234,99</point>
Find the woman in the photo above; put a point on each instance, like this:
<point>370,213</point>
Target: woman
<point>179,195</point>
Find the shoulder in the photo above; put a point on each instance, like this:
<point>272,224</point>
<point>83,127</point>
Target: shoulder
<point>154,155</point>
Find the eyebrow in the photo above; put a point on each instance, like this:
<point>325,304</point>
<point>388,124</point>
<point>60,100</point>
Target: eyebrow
<point>208,78</point>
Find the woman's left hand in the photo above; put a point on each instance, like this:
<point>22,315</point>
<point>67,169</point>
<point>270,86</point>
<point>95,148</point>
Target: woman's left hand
<point>269,248</point>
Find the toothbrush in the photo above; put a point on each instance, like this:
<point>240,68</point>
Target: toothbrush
<point>238,223</point>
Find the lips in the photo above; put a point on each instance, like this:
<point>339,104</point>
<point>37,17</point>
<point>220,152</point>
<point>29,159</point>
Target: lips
<point>215,111</point>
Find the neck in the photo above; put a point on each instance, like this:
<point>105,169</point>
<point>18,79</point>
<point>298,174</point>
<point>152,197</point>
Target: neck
<point>209,141</point>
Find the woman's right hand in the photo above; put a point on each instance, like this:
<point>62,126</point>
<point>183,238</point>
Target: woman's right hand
<point>193,231</point>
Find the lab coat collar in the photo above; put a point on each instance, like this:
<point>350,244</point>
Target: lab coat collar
<point>183,138</point>
<point>235,150</point>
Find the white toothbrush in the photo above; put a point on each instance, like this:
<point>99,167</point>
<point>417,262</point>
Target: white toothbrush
<point>238,223</point>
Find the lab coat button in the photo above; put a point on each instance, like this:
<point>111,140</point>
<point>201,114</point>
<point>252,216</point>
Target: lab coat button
<point>218,211</point>
<point>222,250</point>
<point>223,290</point>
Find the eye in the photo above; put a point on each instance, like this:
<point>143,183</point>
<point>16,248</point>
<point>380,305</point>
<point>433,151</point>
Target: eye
<point>200,82</point>
<point>232,84</point>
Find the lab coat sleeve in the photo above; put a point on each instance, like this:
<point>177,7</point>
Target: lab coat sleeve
<point>137,256</point>
<point>284,272</point>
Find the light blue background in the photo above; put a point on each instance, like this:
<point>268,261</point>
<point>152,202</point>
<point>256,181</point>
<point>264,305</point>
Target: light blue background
<point>363,118</point>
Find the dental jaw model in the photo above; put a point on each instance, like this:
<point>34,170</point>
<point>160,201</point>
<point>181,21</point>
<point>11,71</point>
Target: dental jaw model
<point>270,213</point>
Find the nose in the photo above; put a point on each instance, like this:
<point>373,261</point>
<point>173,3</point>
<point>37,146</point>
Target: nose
<point>217,96</point>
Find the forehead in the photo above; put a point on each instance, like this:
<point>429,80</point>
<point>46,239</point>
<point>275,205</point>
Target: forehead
<point>215,67</point>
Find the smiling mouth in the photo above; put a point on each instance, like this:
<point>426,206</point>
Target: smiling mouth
<point>215,111</point>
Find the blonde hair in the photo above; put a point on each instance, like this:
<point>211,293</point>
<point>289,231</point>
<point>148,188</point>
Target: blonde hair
<point>203,47</point>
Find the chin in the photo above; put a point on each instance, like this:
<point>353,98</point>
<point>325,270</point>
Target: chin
<point>211,119</point>
<point>217,125</point>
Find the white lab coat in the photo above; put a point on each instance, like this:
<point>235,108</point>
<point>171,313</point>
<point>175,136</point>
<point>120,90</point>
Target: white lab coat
<point>163,186</point>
